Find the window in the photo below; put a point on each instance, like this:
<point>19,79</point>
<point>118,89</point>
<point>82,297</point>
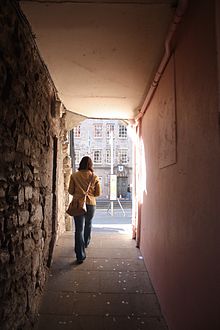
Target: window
<point>123,156</point>
<point>97,157</point>
<point>77,131</point>
<point>77,157</point>
<point>109,128</point>
<point>108,156</point>
<point>98,130</point>
<point>122,131</point>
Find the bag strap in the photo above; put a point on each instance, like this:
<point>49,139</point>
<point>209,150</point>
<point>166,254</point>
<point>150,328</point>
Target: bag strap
<point>89,184</point>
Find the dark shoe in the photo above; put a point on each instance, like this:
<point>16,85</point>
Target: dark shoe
<point>80,261</point>
<point>86,245</point>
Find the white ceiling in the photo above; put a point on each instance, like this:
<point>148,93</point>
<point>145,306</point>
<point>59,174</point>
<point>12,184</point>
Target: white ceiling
<point>102,56</point>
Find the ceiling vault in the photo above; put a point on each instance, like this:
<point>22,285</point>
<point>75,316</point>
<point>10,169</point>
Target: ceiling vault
<point>102,55</point>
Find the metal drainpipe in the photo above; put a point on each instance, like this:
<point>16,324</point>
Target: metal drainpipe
<point>180,11</point>
<point>217,26</point>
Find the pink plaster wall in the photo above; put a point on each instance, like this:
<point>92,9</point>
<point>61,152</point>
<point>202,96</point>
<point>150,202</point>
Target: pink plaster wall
<point>180,233</point>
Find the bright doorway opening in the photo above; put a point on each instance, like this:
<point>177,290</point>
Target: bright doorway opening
<point>109,144</point>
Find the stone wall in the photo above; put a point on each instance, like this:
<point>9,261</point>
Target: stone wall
<point>64,165</point>
<point>31,170</point>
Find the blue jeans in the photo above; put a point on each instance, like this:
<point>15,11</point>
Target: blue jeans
<point>83,227</point>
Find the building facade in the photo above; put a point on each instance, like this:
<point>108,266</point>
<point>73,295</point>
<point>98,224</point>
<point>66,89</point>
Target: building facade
<point>97,139</point>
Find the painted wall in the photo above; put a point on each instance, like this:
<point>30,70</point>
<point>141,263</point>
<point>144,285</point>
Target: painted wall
<point>181,209</point>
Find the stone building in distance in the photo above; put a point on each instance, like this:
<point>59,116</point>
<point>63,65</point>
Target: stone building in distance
<point>93,138</point>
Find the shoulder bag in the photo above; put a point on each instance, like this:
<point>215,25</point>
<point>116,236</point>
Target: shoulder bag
<point>78,204</point>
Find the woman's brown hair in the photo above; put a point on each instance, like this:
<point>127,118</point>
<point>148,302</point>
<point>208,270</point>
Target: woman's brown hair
<point>86,164</point>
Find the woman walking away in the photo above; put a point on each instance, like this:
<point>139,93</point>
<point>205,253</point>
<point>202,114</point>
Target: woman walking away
<point>79,183</point>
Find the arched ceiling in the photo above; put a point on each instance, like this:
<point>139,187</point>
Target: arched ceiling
<point>102,55</point>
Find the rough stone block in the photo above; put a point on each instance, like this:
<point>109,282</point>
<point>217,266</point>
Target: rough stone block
<point>27,147</point>
<point>21,196</point>
<point>68,223</point>
<point>36,196</point>
<point>38,216</point>
<point>37,235</point>
<point>27,230</point>
<point>2,193</point>
<point>18,175</point>
<point>23,217</point>
<point>27,174</point>
<point>13,190</point>
<point>20,143</point>
<point>18,163</point>
<point>35,262</point>
<point>23,265</point>
<point>28,192</point>
<point>9,156</point>
<point>28,245</point>
<point>12,221</point>
<point>3,205</point>
<point>4,257</point>
<point>2,227</point>
<point>36,180</point>
<point>3,179</point>
<point>36,170</point>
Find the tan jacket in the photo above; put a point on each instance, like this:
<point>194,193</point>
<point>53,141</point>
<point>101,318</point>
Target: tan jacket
<point>79,182</point>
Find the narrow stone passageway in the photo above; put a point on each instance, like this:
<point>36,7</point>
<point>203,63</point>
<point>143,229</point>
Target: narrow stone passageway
<point>110,290</point>
<point>154,67</point>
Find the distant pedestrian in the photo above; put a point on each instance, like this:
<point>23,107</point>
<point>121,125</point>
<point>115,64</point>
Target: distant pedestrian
<point>129,192</point>
<point>79,182</point>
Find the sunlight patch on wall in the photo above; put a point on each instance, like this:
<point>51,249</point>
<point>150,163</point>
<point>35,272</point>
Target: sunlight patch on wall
<point>142,172</point>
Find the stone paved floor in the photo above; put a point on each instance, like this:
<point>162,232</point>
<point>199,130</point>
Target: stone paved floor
<point>110,290</point>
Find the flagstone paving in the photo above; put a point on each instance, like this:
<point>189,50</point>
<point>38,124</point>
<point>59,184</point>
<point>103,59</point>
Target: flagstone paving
<point>110,290</point>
